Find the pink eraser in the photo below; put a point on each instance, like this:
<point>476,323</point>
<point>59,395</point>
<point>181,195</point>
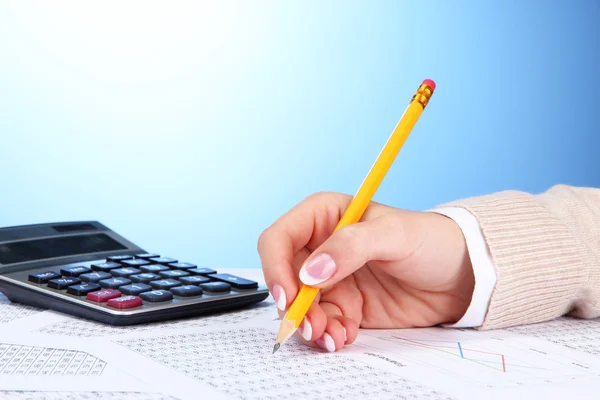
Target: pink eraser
<point>429,83</point>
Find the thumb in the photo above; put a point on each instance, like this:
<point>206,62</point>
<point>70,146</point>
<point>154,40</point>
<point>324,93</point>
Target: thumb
<point>351,247</point>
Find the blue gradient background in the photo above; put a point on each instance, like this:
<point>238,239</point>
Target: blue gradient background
<point>189,127</point>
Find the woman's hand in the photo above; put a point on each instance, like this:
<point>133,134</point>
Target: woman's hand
<point>393,269</point>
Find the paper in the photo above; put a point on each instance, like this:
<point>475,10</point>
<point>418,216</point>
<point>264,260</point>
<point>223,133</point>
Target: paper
<point>239,363</point>
<point>32,360</point>
<point>229,356</point>
<point>63,395</point>
<point>575,334</point>
<point>11,311</point>
<point>76,327</point>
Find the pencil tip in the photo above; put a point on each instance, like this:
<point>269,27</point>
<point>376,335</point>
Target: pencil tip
<point>276,347</point>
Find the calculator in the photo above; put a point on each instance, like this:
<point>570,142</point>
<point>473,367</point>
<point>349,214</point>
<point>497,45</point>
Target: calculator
<point>87,270</point>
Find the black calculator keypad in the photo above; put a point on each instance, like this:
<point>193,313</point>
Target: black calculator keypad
<point>83,289</point>
<point>135,263</point>
<point>202,271</point>
<point>114,283</point>
<point>193,280</point>
<point>235,281</point>
<point>63,283</point>
<point>43,277</point>
<point>187,291</point>
<point>95,277</point>
<point>105,266</point>
<point>75,271</point>
<point>125,272</point>
<point>129,282</point>
<point>165,284</point>
<point>215,287</point>
<point>173,273</point>
<point>144,278</point>
<point>157,296</point>
<point>135,289</point>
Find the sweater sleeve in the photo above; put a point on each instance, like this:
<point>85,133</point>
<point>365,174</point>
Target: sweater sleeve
<point>545,250</point>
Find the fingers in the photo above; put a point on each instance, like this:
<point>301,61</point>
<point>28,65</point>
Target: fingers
<point>306,224</point>
<point>352,247</point>
<point>325,327</point>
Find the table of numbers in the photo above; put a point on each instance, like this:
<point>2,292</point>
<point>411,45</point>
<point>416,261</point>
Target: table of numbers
<point>29,360</point>
<point>239,363</point>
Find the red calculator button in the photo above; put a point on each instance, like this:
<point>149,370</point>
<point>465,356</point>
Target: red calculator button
<point>125,302</point>
<point>103,295</point>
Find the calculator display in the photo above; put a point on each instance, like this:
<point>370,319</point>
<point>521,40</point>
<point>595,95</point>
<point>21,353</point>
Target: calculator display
<point>61,246</point>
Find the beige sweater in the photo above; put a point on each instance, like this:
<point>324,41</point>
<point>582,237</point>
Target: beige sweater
<point>546,250</point>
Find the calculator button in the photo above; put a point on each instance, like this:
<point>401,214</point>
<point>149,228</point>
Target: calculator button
<point>105,266</point>
<point>163,260</point>
<point>135,289</point>
<point>193,280</point>
<point>75,271</point>
<point>165,284</point>
<point>102,296</point>
<point>125,302</point>
<point>95,277</point>
<point>182,265</point>
<point>157,296</point>
<point>125,272</point>
<point>144,278</point>
<point>146,256</point>
<point>235,281</point>
<point>154,268</point>
<point>138,262</point>
<point>215,287</point>
<point>118,258</point>
<point>83,289</point>
<point>114,283</point>
<point>186,291</point>
<point>63,283</point>
<point>173,273</point>
<point>43,277</point>
<point>202,271</point>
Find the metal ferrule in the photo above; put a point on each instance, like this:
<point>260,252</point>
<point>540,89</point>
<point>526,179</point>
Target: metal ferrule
<point>422,95</point>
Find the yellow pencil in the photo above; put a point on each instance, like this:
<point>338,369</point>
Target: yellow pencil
<point>294,316</point>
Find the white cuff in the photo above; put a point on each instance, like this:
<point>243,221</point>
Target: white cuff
<point>483,266</point>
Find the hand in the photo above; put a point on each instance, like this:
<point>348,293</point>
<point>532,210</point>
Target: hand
<point>393,269</point>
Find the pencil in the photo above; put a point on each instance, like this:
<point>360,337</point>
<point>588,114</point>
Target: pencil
<point>299,307</point>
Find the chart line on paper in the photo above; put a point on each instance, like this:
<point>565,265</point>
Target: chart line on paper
<point>456,346</point>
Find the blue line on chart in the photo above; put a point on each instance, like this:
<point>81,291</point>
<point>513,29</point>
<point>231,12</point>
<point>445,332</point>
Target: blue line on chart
<point>460,349</point>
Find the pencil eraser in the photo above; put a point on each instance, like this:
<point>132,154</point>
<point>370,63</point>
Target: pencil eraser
<point>429,83</point>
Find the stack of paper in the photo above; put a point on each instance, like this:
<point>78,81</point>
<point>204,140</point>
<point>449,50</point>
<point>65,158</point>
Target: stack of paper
<point>47,355</point>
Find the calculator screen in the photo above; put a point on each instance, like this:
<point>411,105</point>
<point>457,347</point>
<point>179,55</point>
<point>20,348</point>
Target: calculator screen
<point>60,246</point>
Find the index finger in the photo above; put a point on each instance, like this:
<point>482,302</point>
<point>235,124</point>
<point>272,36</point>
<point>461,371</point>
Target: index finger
<point>306,225</point>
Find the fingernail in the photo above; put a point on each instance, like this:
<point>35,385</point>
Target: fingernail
<point>279,296</point>
<point>345,336</point>
<point>305,329</point>
<point>318,269</point>
<point>326,342</point>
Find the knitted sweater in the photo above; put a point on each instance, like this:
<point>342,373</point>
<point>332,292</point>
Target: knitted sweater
<point>546,251</point>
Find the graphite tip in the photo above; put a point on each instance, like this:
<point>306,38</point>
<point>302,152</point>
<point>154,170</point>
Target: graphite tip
<point>276,347</point>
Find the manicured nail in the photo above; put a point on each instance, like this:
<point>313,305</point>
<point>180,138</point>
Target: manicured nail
<point>326,342</point>
<point>305,329</point>
<point>279,296</point>
<point>345,336</point>
<point>318,269</point>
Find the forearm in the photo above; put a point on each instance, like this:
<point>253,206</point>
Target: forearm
<point>545,251</point>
